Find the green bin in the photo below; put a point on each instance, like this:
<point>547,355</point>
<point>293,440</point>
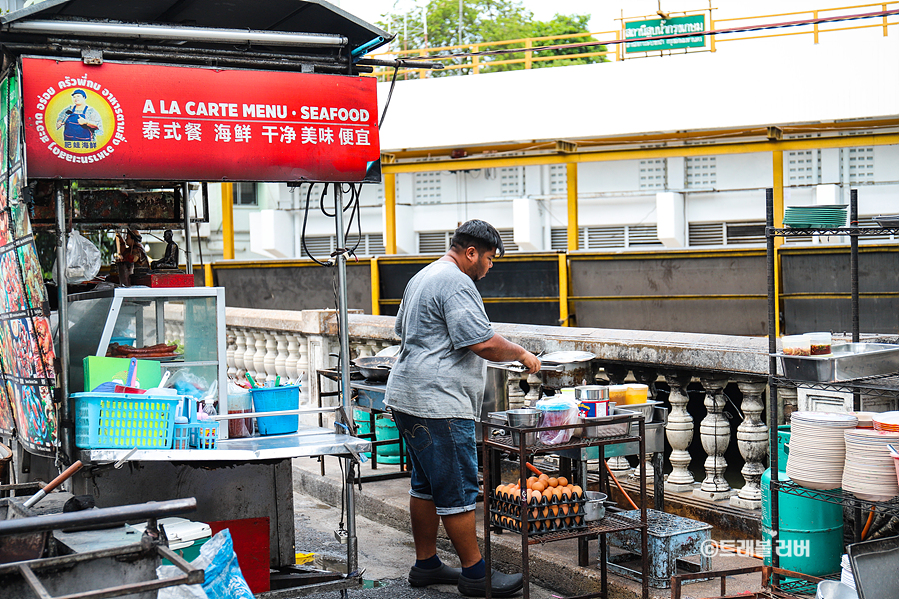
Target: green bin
<point>811,530</point>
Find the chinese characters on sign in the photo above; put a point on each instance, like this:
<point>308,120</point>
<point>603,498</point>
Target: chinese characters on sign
<point>203,124</point>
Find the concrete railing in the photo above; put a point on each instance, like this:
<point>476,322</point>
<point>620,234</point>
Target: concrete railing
<point>289,344</point>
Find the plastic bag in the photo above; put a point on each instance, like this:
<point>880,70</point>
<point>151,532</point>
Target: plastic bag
<point>239,402</point>
<point>557,411</point>
<point>187,383</point>
<point>223,579</point>
<point>82,259</point>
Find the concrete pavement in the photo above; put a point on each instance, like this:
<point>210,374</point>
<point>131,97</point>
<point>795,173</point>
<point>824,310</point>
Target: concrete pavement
<point>386,549</point>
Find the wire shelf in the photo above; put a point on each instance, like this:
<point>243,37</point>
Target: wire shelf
<point>840,497</point>
<point>886,385</point>
<point>851,231</point>
<point>611,523</point>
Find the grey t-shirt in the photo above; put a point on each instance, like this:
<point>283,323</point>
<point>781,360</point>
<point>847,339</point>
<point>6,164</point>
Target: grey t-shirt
<point>436,376</point>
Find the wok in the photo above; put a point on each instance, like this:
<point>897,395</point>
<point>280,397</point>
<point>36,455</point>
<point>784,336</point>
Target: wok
<point>375,368</point>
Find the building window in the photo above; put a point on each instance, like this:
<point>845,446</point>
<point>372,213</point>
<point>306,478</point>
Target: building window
<point>321,246</point>
<point>508,237</point>
<point>803,167</point>
<point>435,242</point>
<point>558,179</point>
<point>608,237</point>
<point>427,188</point>
<point>653,173</point>
<point>245,194</point>
<point>511,181</point>
<point>745,233</point>
<point>860,164</point>
<point>701,171</point>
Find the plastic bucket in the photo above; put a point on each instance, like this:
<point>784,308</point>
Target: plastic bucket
<point>385,430</point>
<point>275,399</point>
<point>811,531</point>
<point>363,425</point>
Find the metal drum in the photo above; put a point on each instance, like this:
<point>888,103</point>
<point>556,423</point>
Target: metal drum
<point>811,531</point>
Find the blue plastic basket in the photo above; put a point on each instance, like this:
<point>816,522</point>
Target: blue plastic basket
<point>274,399</point>
<point>181,436</point>
<point>124,420</point>
<point>203,434</point>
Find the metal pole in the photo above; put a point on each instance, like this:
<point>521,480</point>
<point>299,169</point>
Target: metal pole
<point>189,255</point>
<point>853,264</point>
<point>343,325</point>
<point>773,416</point>
<point>66,439</point>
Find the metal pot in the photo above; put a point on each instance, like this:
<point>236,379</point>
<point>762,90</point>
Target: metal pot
<point>567,369</point>
<point>375,368</point>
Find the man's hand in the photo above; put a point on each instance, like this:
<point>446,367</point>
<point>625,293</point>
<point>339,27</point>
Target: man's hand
<point>499,349</point>
<point>531,362</point>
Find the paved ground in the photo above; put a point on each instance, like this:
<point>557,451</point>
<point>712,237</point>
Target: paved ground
<point>386,551</point>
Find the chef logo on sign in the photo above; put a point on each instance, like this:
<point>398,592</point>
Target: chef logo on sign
<point>79,120</point>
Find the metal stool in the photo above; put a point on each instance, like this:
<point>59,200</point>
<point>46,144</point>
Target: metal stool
<point>670,539</point>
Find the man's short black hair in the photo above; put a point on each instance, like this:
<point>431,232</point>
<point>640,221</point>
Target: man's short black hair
<point>480,234</point>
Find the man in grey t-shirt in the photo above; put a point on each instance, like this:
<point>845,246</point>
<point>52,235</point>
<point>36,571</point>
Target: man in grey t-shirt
<point>435,391</point>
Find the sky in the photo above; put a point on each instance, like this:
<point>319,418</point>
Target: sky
<point>604,12</point>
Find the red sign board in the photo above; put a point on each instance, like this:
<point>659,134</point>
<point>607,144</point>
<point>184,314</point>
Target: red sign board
<point>135,121</point>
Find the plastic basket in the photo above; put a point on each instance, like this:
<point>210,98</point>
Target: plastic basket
<point>181,436</point>
<point>274,399</point>
<point>204,434</point>
<point>116,420</point>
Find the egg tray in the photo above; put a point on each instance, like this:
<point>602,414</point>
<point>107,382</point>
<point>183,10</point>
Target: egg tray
<point>546,515</point>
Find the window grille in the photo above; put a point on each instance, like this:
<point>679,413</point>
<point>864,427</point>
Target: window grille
<point>436,242</point>
<point>745,233</point>
<point>511,181</point>
<point>559,238</point>
<point>428,188</point>
<point>803,167</point>
<point>604,237</point>
<point>319,246</point>
<point>701,171</point>
<point>558,179</point>
<point>643,235</point>
<point>705,234</point>
<point>860,165</point>
<point>653,173</point>
<point>508,237</point>
<point>245,194</point>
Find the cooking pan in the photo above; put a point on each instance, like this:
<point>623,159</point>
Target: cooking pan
<point>375,368</point>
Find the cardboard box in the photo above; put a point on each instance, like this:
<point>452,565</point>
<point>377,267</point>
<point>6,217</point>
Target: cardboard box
<point>99,369</point>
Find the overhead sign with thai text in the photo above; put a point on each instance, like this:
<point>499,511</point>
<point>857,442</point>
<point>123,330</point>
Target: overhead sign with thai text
<point>136,121</point>
<point>680,26</point>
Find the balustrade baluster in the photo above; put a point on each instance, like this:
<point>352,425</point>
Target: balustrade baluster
<point>752,439</point>
<point>281,358</point>
<point>293,355</point>
<point>714,430</point>
<point>240,349</point>
<point>250,352</point>
<point>679,432</point>
<point>259,357</point>
<point>229,353</point>
<point>270,355</point>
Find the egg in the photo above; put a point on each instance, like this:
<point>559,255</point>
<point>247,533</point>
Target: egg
<point>553,482</point>
<point>563,482</point>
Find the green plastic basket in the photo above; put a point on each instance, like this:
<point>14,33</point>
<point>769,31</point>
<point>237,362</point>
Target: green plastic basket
<point>124,420</point>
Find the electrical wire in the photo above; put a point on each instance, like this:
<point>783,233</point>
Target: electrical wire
<point>396,70</point>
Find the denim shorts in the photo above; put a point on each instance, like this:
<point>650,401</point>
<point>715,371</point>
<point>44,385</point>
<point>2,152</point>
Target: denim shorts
<point>444,461</point>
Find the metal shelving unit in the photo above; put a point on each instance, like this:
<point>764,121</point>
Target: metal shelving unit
<point>493,445</point>
<point>881,386</point>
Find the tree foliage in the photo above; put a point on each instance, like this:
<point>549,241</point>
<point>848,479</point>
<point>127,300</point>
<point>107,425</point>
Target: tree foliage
<point>436,26</point>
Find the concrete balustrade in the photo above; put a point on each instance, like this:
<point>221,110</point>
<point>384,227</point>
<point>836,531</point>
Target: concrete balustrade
<point>295,344</point>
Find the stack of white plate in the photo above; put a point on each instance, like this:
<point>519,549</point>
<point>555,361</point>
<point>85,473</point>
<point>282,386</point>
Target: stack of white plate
<point>846,571</point>
<point>817,448</point>
<point>870,473</point>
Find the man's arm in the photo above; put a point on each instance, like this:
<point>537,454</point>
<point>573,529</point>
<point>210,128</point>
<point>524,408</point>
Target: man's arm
<point>500,349</point>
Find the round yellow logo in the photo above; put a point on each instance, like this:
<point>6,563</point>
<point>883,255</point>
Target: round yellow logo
<point>79,120</point>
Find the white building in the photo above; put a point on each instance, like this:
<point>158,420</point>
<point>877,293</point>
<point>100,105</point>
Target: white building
<point>635,123</point>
